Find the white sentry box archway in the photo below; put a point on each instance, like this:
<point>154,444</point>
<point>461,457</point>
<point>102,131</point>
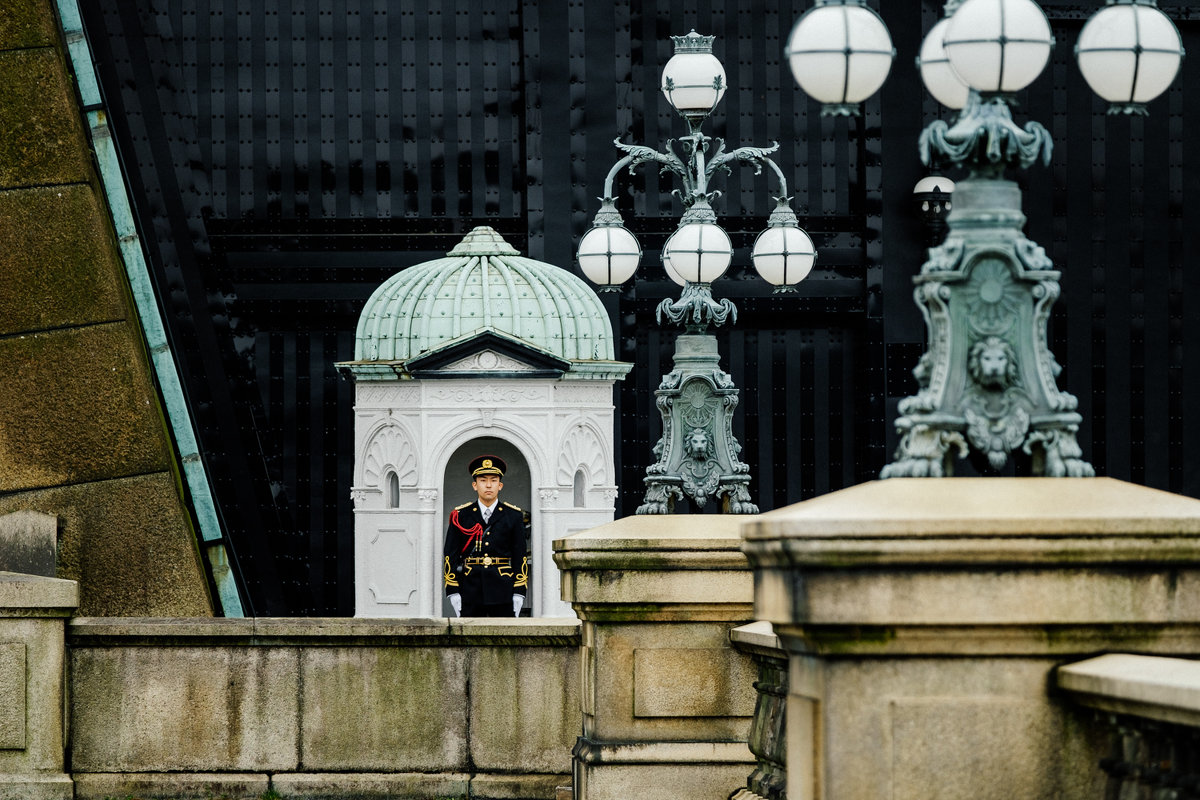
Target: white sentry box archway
<point>424,390</point>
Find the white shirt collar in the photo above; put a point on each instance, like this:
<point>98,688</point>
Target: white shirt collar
<point>489,510</point>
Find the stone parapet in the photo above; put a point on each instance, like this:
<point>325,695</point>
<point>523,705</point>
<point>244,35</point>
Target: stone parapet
<point>32,676</point>
<point>768,740</point>
<point>1149,707</point>
<point>666,700</point>
<point>1165,689</point>
<point>323,707</point>
<point>924,619</point>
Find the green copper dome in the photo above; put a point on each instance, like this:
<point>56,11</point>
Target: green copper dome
<point>482,285</point>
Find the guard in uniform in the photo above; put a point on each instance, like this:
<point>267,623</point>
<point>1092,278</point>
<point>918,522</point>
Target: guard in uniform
<point>487,571</point>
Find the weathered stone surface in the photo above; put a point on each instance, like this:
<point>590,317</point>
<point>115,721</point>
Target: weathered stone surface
<point>524,708</point>
<point>26,23</point>
<point>612,705</point>
<point>666,701</point>
<point>41,683</point>
<point>201,709</point>
<point>693,562</point>
<point>59,264</point>
<point>51,596</point>
<point>906,555</point>
<point>36,786</point>
<point>691,682</point>
<point>1005,740</point>
<point>372,786</point>
<point>41,137</point>
<point>925,619</point>
<point>29,543</point>
<point>517,787</point>
<point>230,695</point>
<point>693,781</point>
<point>12,696</point>
<point>410,693</point>
<point>171,786</point>
<point>128,544</point>
<point>904,509</point>
<point>936,728</point>
<point>77,405</point>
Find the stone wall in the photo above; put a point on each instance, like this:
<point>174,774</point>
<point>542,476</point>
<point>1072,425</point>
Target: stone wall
<point>82,433</point>
<point>322,707</point>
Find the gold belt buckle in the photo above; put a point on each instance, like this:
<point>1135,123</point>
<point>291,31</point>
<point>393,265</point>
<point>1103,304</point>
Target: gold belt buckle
<point>487,561</point>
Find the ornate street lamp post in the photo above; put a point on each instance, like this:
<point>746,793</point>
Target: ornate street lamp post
<point>698,453</point>
<point>988,381</point>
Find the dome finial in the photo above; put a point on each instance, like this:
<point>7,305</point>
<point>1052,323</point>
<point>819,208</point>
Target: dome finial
<point>484,241</point>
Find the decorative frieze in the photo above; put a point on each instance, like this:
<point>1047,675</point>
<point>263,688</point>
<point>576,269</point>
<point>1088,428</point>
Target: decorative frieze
<point>479,394</point>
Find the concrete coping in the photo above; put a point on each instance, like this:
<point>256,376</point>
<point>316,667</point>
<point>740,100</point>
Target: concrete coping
<point>673,541</point>
<point>21,593</point>
<point>758,638</point>
<point>325,631</point>
<point>1165,689</point>
<point>1052,521</point>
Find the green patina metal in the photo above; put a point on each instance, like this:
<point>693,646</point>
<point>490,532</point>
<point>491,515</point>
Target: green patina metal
<point>988,381</point>
<point>698,453</point>
<point>484,285</point>
<point>171,388</point>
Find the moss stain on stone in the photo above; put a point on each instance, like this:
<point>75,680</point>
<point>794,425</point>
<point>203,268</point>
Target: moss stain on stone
<point>836,639</point>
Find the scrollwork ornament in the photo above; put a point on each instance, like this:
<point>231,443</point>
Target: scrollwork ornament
<point>670,380</point>
<point>696,308</point>
<point>944,258</point>
<point>1033,256</point>
<point>986,139</point>
<point>660,497</point>
<point>752,155</point>
<point>737,496</point>
<point>1046,292</point>
<point>640,154</point>
<point>1059,453</point>
<point>925,451</point>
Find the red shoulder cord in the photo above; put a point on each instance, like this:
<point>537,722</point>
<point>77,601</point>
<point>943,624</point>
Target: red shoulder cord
<point>472,533</point>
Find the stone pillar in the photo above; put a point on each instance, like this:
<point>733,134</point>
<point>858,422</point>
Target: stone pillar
<point>33,612</point>
<point>924,619</point>
<point>666,701</point>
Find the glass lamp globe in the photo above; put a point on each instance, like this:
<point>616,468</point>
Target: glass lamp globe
<point>939,77</point>
<point>675,277</point>
<point>1129,53</point>
<point>699,252</point>
<point>840,53</point>
<point>609,255</point>
<point>693,81</point>
<point>783,256</point>
<point>998,45</point>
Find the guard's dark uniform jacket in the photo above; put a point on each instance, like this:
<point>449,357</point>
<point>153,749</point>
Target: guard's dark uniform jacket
<point>486,564</point>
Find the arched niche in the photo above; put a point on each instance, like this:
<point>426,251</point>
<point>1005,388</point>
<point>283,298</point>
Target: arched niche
<point>456,483</point>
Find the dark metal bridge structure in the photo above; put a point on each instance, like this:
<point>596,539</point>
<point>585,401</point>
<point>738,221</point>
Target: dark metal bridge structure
<point>286,158</point>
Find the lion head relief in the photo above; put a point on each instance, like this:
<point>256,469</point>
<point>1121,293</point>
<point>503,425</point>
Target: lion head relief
<point>992,364</point>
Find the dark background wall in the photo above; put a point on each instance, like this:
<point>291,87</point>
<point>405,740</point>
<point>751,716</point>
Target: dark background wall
<point>286,158</point>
